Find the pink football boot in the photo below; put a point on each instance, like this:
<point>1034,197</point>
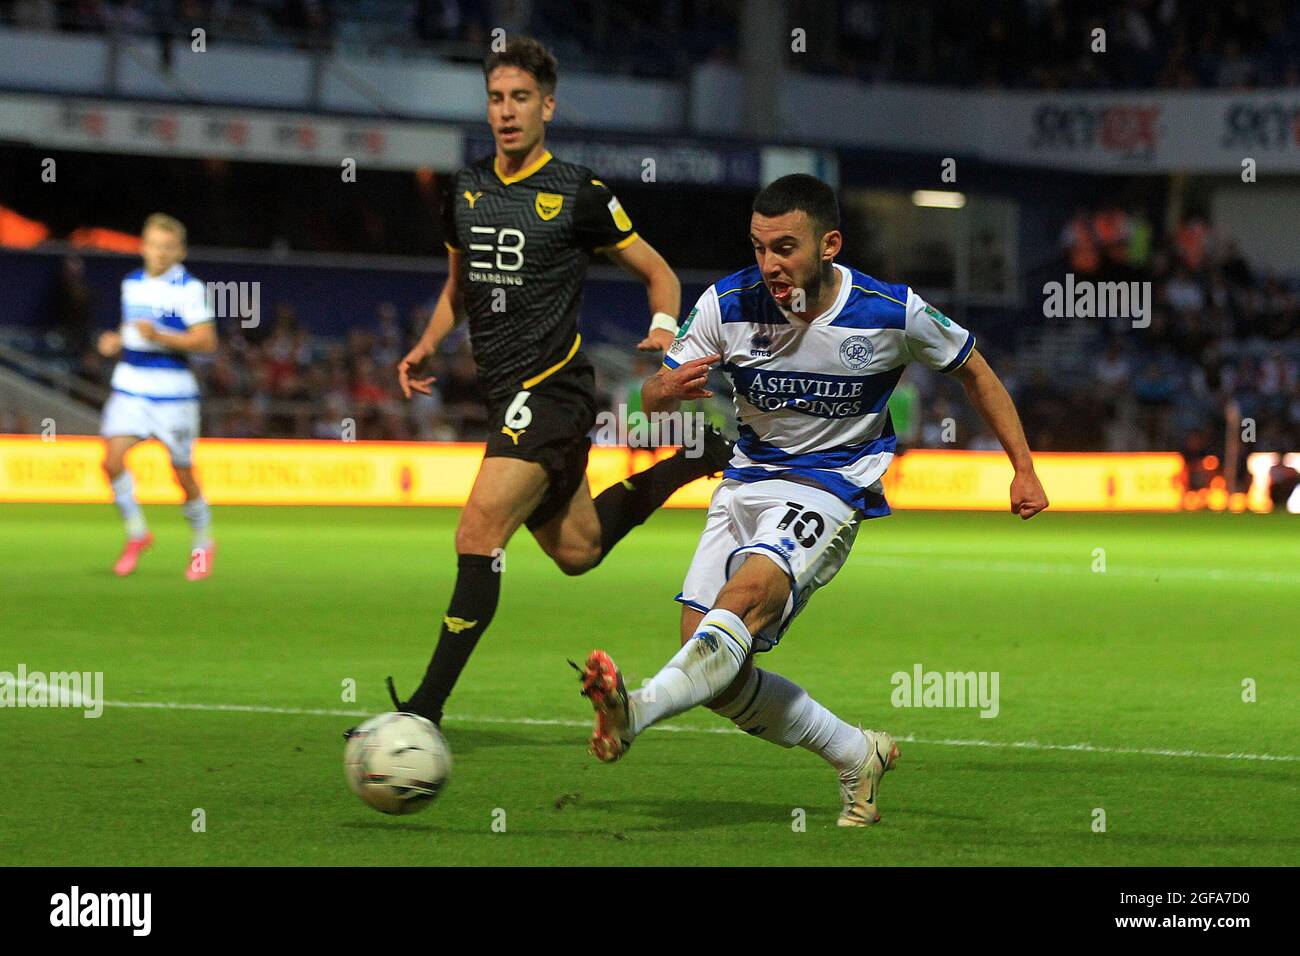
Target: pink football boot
<point>200,563</point>
<point>131,554</point>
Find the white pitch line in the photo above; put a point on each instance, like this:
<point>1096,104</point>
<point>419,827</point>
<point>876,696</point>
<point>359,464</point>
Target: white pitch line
<point>1090,748</point>
<point>1084,568</point>
<point>681,729</point>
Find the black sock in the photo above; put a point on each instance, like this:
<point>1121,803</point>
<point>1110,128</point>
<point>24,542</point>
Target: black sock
<point>473,602</point>
<point>623,506</point>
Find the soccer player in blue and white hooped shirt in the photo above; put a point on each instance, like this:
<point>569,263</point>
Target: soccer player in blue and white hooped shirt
<point>814,349</point>
<point>165,316</point>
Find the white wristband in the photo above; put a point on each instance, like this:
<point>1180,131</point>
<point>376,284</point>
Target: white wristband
<point>662,320</point>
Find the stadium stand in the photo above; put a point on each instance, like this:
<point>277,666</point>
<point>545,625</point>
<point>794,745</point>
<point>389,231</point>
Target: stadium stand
<point>1223,336</point>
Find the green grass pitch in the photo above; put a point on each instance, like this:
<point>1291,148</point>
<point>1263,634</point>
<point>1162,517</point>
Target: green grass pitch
<point>1143,663</point>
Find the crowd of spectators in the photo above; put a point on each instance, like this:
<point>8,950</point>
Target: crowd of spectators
<point>1223,341</point>
<point>283,381</point>
<point>1036,44</point>
<point>620,36</point>
<point>1220,356</point>
<point>304,23</point>
<point>1058,44</point>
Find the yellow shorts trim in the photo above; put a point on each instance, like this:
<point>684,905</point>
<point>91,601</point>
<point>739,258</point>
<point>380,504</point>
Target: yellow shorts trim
<point>530,382</point>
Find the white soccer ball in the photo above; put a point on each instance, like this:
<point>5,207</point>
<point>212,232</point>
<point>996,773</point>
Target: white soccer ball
<point>397,763</point>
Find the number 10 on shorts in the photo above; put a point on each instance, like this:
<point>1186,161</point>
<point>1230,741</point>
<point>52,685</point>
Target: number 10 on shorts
<point>806,526</point>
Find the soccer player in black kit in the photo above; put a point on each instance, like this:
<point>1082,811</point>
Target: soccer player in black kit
<point>520,228</point>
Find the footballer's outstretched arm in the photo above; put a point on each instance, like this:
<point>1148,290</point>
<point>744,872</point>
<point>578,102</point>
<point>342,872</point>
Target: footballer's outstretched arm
<point>197,338</point>
<point>663,289</point>
<point>989,396</point>
<point>449,311</point>
<point>665,390</point>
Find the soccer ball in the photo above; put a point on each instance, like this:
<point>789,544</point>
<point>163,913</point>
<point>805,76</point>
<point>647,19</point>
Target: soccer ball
<point>397,763</point>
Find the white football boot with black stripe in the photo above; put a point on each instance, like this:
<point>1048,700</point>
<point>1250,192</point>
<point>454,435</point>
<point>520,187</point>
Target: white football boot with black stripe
<point>859,788</point>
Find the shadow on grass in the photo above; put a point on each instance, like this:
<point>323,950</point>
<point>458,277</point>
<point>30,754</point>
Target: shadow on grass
<point>588,818</point>
<point>466,740</point>
<point>392,825</point>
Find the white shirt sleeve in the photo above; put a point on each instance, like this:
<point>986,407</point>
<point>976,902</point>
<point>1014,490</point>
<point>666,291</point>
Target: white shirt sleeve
<point>933,339</point>
<point>700,334</point>
<point>193,307</point>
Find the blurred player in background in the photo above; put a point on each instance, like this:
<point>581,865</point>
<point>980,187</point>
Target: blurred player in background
<point>521,227</point>
<point>165,316</point>
<point>814,349</point>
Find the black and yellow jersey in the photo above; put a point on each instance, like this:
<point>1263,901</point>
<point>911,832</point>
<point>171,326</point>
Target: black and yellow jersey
<point>525,242</point>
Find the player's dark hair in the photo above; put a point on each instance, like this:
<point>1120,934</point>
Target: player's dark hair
<point>799,191</point>
<point>529,55</point>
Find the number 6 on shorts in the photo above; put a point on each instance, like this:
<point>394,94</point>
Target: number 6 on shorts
<point>518,415</point>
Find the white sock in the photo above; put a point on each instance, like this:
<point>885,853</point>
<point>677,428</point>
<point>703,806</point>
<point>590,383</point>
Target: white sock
<point>127,506</point>
<point>199,516</point>
<point>697,673</point>
<point>775,709</point>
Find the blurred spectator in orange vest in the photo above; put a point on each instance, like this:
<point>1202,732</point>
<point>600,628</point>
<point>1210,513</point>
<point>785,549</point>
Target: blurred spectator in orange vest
<point>1110,226</point>
<point>1192,240</point>
<point>1080,246</point>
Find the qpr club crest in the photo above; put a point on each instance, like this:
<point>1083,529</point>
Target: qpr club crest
<point>856,352</point>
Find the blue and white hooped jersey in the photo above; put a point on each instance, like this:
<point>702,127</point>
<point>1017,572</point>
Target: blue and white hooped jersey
<point>811,396</point>
<point>174,301</point>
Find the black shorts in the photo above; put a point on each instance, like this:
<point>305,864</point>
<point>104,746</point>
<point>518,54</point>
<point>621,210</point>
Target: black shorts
<point>551,425</point>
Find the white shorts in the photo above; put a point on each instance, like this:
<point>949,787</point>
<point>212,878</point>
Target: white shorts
<point>175,424</point>
<point>804,529</point>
